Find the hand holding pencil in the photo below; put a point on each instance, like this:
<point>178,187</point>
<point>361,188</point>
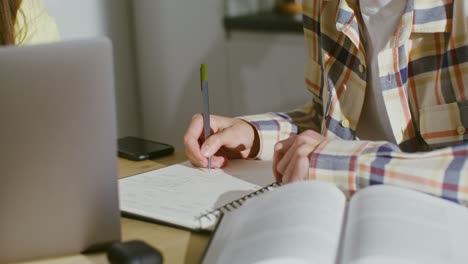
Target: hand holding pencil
<point>210,140</point>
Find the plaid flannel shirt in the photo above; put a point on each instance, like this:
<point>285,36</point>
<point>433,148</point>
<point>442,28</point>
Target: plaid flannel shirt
<point>424,78</point>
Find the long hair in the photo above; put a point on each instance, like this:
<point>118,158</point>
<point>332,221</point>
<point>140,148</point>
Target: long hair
<point>8,14</point>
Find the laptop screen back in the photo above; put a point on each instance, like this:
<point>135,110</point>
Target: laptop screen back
<point>58,165</point>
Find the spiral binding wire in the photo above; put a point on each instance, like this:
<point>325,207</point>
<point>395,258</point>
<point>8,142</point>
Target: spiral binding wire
<point>215,213</point>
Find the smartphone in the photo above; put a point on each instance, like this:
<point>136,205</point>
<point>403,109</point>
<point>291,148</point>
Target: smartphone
<point>134,148</point>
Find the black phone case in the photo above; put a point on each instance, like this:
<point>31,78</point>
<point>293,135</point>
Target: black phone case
<point>139,156</point>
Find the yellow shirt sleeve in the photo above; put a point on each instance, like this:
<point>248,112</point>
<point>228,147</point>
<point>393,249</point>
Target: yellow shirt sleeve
<point>34,25</point>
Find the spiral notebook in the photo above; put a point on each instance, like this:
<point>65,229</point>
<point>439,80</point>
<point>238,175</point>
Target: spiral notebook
<point>190,197</point>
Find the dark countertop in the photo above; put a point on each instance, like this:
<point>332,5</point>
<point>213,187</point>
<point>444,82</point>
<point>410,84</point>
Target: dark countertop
<point>264,22</point>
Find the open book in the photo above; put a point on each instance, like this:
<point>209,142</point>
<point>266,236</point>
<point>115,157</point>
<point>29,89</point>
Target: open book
<point>311,222</point>
<point>191,197</point>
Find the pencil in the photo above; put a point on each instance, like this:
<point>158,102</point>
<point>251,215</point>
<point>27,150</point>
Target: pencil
<point>206,103</point>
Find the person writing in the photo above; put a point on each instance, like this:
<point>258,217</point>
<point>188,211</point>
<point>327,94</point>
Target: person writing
<point>388,105</point>
<point>25,23</point>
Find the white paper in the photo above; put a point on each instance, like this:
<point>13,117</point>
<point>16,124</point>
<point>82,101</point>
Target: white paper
<point>179,194</point>
<point>392,225</point>
<point>297,223</point>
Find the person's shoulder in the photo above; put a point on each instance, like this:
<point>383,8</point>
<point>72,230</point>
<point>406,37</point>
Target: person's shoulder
<point>34,25</point>
<point>32,6</point>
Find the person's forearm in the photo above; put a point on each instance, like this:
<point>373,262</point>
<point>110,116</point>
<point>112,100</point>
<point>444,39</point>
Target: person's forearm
<point>356,164</point>
<point>274,127</point>
<point>270,128</point>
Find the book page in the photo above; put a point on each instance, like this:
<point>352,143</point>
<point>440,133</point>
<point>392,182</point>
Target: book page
<point>179,194</point>
<point>296,223</point>
<point>392,225</point>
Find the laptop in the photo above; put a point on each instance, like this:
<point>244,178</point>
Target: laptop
<point>58,164</point>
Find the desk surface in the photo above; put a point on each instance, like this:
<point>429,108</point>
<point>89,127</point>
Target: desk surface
<point>176,245</point>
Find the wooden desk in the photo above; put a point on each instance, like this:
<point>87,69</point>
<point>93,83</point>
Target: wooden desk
<point>176,245</point>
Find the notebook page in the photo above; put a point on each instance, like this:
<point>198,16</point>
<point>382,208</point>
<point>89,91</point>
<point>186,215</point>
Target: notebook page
<point>256,172</point>
<point>180,193</point>
<point>392,225</point>
<point>297,223</point>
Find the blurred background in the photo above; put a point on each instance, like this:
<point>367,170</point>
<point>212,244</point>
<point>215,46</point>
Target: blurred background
<point>255,53</point>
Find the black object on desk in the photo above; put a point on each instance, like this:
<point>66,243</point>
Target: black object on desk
<point>133,252</point>
<point>134,148</point>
